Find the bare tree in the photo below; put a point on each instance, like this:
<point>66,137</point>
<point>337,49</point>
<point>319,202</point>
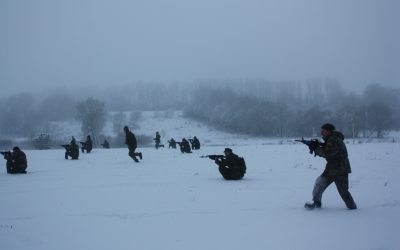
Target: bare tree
<point>379,118</point>
<point>92,114</point>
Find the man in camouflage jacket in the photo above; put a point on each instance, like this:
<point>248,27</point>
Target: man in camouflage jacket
<point>337,167</point>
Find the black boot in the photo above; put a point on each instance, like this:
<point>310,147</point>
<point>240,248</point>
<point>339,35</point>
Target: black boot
<point>312,205</point>
<point>352,206</point>
<point>140,156</point>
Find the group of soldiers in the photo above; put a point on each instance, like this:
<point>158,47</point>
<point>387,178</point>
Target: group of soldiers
<point>72,149</point>
<point>186,146</point>
<point>231,166</point>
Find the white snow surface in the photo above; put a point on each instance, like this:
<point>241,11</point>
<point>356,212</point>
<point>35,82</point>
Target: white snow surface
<point>178,201</point>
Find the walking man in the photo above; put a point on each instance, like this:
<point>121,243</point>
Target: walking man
<point>337,168</point>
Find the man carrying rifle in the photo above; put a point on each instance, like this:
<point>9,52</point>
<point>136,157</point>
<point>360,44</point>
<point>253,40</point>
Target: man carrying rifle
<point>184,146</point>
<point>71,150</point>
<point>231,166</point>
<point>16,161</point>
<point>195,143</point>
<point>172,143</point>
<point>87,145</point>
<point>337,167</point>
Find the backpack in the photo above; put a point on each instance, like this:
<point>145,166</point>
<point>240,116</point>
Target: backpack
<point>242,165</point>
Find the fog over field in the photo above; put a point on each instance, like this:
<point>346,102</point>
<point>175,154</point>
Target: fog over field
<point>63,44</point>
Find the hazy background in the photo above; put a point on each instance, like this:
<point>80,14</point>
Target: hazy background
<point>97,42</point>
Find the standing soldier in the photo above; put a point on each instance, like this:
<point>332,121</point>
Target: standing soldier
<point>130,140</point>
<point>337,168</point>
<point>158,140</point>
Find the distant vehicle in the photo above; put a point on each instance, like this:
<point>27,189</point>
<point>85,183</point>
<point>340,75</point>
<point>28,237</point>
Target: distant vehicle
<point>41,141</point>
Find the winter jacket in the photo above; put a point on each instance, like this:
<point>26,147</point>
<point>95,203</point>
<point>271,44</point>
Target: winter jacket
<point>335,153</point>
<point>130,140</point>
<point>232,167</point>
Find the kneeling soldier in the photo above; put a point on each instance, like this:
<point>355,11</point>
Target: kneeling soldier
<point>231,166</point>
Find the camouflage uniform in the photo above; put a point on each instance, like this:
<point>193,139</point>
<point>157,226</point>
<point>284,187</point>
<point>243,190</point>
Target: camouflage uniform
<point>337,169</point>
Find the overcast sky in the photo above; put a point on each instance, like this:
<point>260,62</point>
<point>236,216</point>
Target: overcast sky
<point>86,42</point>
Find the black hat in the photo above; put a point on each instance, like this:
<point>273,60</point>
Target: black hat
<point>328,127</point>
<point>228,150</point>
<point>16,149</point>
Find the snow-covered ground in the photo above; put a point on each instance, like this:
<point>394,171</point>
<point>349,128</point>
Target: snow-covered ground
<point>176,201</point>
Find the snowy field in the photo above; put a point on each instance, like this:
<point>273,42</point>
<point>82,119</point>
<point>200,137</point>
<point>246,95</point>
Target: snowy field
<point>180,202</point>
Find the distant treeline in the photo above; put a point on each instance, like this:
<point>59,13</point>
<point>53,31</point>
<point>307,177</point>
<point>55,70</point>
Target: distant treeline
<point>297,111</point>
<point>256,107</point>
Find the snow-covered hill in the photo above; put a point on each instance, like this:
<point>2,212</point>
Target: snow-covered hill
<point>170,124</point>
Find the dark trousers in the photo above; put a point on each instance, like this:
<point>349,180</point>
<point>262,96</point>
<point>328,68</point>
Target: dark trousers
<point>133,154</point>
<point>229,174</point>
<point>73,156</point>
<point>12,169</point>
<point>342,185</point>
<point>87,150</point>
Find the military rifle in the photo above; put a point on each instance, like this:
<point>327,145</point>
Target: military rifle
<point>312,144</point>
<point>66,146</point>
<point>213,157</point>
<point>6,154</point>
